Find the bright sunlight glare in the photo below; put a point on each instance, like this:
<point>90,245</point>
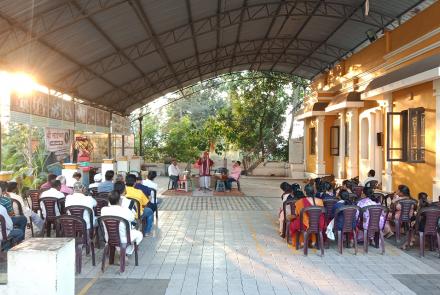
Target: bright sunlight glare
<point>19,82</point>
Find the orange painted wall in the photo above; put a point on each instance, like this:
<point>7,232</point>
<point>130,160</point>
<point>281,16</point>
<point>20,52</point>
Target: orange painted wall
<point>418,176</point>
<point>423,23</point>
<point>311,159</point>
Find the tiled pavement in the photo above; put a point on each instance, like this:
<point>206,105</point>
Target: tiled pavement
<point>229,248</point>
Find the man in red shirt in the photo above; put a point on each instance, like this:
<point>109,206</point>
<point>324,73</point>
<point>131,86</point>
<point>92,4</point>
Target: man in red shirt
<point>205,164</point>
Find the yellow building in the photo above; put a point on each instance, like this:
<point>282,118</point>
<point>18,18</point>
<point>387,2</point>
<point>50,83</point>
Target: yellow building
<point>380,109</point>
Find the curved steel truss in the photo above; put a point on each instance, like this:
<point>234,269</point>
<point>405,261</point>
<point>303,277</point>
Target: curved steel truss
<point>123,54</point>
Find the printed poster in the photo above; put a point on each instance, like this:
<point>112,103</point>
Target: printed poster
<point>58,141</point>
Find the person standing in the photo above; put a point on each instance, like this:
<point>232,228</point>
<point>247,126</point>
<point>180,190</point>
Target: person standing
<point>205,163</point>
<point>234,175</point>
<point>173,173</point>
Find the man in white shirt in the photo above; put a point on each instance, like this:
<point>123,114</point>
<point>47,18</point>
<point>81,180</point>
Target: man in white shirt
<point>15,233</point>
<point>116,209</point>
<point>173,173</point>
<point>371,176</point>
<point>97,180</point>
<point>78,198</point>
<point>53,192</point>
<point>149,182</point>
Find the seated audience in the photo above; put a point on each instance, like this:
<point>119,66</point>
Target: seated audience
<point>347,185</point>
<point>296,187</point>
<point>402,193</point>
<point>36,219</point>
<point>16,234</point>
<point>286,195</point>
<point>115,209</point>
<point>370,177</point>
<point>134,193</point>
<point>326,191</point>
<point>173,173</point>
<point>96,181</point>
<point>47,184</point>
<point>78,198</point>
<point>77,176</point>
<point>53,192</point>
<point>368,199</point>
<point>233,176</point>
<point>147,192</point>
<point>306,201</point>
<point>149,182</point>
<point>423,202</point>
<point>119,177</point>
<point>64,188</point>
<point>126,203</point>
<point>19,221</point>
<point>107,185</point>
<point>344,200</point>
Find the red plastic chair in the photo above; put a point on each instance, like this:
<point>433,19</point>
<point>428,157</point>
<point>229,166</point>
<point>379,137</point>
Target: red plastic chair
<point>432,215</point>
<point>100,203</point>
<point>315,227</point>
<point>358,189</point>
<point>286,224</point>
<point>34,196</point>
<point>374,230</point>
<point>49,204</point>
<point>77,210</point>
<point>75,227</point>
<point>110,224</point>
<point>349,213</point>
<point>406,206</point>
<point>5,242</point>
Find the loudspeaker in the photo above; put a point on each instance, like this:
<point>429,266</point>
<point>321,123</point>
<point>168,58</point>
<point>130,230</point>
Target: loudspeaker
<point>379,136</point>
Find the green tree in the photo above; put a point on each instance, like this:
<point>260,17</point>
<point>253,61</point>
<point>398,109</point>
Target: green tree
<point>182,141</point>
<point>258,107</point>
<point>151,137</point>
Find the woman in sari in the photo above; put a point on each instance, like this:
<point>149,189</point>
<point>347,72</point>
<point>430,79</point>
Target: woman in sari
<point>304,202</point>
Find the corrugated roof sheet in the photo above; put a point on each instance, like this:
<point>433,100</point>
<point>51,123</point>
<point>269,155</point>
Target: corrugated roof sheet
<point>123,53</point>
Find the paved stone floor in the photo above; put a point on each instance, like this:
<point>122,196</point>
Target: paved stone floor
<point>230,245</point>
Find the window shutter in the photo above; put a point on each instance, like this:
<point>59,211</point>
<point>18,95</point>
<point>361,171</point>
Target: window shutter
<point>416,135</point>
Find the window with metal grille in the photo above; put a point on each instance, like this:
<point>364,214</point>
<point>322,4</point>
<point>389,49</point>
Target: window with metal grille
<point>407,143</point>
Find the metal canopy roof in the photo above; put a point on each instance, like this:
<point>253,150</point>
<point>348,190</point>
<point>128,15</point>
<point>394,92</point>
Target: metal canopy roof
<point>123,54</point>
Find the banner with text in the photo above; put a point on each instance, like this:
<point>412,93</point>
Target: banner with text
<point>58,141</point>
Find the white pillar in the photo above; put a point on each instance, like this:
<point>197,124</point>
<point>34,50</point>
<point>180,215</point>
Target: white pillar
<point>320,163</point>
<point>436,180</point>
<point>353,153</point>
<point>387,177</point>
<point>305,144</point>
<point>371,142</point>
<point>342,145</point>
<point>51,263</point>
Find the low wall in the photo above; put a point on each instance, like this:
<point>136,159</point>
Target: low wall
<point>271,169</point>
